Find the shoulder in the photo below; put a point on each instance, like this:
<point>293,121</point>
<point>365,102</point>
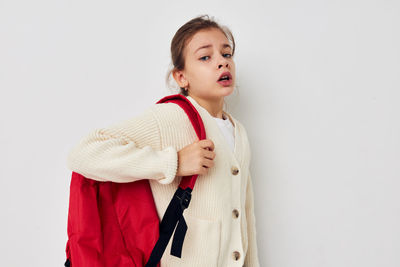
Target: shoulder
<point>150,115</point>
<point>241,129</point>
<point>169,114</point>
<point>155,117</point>
<point>162,108</point>
<point>244,138</point>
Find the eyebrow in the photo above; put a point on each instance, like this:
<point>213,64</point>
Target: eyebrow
<point>209,45</point>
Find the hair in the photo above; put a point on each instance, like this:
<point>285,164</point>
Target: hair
<point>183,36</point>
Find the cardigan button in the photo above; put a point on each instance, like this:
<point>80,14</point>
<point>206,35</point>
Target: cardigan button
<point>234,170</point>
<point>236,255</point>
<point>235,213</point>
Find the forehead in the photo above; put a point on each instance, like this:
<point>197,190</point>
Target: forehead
<point>212,37</point>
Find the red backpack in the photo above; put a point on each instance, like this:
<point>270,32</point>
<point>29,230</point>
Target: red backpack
<point>116,224</point>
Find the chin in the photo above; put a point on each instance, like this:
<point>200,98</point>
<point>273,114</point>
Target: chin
<point>226,91</point>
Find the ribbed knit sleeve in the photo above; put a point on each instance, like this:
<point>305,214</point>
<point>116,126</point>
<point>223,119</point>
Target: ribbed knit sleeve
<point>125,152</point>
<point>251,259</point>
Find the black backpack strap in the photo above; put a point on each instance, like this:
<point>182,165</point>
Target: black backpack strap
<point>173,216</point>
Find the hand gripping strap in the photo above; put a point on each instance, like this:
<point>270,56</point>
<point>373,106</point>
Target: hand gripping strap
<point>197,122</point>
<point>173,216</point>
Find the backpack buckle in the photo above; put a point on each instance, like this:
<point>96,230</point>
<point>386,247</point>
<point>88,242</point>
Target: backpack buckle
<point>184,198</point>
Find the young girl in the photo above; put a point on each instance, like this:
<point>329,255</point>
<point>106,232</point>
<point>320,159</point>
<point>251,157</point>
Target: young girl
<point>161,145</point>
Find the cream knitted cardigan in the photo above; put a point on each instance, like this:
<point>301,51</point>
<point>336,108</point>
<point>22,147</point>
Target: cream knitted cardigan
<point>220,218</point>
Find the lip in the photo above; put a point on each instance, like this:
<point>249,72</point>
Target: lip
<point>225,82</point>
<point>227,73</point>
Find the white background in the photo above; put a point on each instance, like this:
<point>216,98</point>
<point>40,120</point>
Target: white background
<point>318,92</point>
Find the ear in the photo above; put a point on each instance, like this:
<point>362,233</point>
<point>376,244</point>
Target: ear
<point>179,76</point>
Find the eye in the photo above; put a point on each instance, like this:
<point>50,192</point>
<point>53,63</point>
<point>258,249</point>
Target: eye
<point>228,55</point>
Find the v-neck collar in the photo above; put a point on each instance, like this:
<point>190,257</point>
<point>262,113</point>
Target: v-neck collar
<point>210,121</point>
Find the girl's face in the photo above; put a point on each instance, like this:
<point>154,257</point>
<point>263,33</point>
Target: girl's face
<point>207,55</point>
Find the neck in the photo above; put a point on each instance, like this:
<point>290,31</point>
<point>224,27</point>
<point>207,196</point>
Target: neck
<point>214,107</point>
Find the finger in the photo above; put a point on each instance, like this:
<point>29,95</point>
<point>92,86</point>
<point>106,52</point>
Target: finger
<point>209,154</point>
<point>212,145</point>
<point>207,144</point>
<point>208,163</point>
<point>204,170</point>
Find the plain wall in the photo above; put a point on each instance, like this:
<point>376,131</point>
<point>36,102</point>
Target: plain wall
<point>318,92</point>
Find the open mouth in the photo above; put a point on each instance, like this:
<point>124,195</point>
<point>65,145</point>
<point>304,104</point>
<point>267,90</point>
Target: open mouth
<point>224,78</point>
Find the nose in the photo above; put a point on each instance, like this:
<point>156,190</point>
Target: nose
<point>224,62</point>
<point>220,65</point>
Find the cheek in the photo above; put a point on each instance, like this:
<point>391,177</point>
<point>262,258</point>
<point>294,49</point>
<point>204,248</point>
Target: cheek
<point>203,74</point>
